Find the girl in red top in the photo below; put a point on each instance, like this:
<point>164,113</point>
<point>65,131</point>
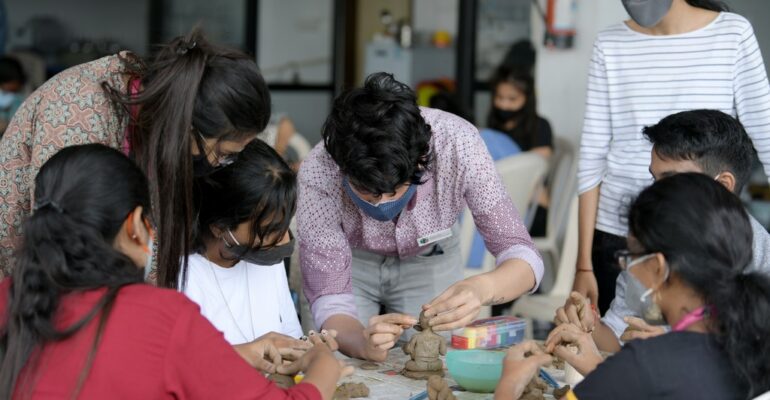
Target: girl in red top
<point>77,322</point>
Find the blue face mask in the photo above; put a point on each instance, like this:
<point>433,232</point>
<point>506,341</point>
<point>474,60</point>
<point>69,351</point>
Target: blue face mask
<point>386,211</point>
<point>6,99</point>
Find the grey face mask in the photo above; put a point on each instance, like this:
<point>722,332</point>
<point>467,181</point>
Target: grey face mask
<point>639,298</point>
<point>647,13</point>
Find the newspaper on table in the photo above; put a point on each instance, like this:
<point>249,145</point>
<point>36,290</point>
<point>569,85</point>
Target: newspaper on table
<point>387,383</point>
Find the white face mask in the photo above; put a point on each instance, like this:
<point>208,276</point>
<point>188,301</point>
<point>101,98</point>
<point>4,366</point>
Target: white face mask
<point>638,296</point>
<point>150,258</point>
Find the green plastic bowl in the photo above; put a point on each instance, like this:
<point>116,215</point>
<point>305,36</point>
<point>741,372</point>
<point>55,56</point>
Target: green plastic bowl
<point>476,370</point>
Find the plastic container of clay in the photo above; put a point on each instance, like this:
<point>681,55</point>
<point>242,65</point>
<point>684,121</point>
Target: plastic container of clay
<point>490,333</point>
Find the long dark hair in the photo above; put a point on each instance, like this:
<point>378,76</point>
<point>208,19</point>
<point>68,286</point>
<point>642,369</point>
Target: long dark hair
<point>192,88</point>
<point>525,131</point>
<point>712,5</point>
<point>703,231</point>
<point>258,187</point>
<point>83,196</point>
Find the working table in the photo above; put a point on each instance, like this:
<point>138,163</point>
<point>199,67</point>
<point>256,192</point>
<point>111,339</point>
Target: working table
<point>386,383</point>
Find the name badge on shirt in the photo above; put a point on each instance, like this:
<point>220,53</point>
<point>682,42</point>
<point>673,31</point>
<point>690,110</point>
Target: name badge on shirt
<point>434,237</point>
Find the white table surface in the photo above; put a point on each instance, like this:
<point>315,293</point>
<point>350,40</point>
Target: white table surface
<point>386,383</point>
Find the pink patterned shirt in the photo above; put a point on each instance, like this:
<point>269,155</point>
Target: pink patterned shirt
<point>463,173</point>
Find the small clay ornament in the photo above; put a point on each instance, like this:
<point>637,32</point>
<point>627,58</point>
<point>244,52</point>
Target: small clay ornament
<point>283,381</point>
<point>535,389</point>
<point>561,392</point>
<point>424,348</point>
<point>348,391</point>
<point>438,389</point>
<point>370,366</point>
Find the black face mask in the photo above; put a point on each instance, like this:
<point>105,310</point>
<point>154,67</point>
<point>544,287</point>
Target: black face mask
<point>507,115</point>
<point>202,166</point>
<point>266,257</point>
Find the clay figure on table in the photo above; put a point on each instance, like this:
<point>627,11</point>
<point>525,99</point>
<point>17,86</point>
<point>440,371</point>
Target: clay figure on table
<point>424,348</point>
<point>438,389</point>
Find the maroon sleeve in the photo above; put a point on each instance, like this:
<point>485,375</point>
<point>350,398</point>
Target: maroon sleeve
<point>200,364</point>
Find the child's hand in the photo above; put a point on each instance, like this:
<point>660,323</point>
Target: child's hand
<point>638,329</point>
<point>260,354</point>
<point>288,347</point>
<point>576,310</point>
<point>587,357</point>
<point>326,337</point>
<point>521,364</point>
<point>313,356</point>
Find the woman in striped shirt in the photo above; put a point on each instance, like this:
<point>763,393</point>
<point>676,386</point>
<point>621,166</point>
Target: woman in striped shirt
<point>672,56</point>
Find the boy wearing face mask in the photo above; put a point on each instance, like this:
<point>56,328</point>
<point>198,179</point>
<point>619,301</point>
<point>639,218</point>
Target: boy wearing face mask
<point>704,141</point>
<point>379,198</point>
<point>671,56</point>
<point>237,274</point>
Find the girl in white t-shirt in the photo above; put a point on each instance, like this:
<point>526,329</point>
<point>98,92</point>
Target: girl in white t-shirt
<point>237,273</point>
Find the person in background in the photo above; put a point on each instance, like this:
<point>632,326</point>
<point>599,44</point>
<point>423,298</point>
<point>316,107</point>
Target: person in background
<point>689,251</point>
<point>671,56</point>
<point>185,113</point>
<point>514,112</point>
<point>78,321</point>
<point>237,274</point>
<point>12,81</point>
<point>705,141</point>
<point>378,201</point>
<point>278,133</point>
<point>513,126</point>
<point>522,56</point>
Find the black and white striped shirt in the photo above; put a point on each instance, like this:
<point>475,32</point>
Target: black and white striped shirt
<point>635,80</point>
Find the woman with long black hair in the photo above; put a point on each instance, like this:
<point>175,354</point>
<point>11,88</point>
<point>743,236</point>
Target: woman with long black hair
<point>77,320</point>
<point>689,248</point>
<point>185,113</point>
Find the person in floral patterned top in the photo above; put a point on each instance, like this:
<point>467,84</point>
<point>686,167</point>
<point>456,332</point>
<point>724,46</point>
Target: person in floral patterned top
<point>186,113</point>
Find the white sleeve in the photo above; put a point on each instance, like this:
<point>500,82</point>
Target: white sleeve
<point>597,126</point>
<point>752,95</point>
<point>613,318</point>
<point>289,322</point>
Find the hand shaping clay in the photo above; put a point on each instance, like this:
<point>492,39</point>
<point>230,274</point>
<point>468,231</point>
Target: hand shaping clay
<point>284,381</point>
<point>424,348</point>
<point>348,391</point>
<point>571,376</point>
<point>438,389</point>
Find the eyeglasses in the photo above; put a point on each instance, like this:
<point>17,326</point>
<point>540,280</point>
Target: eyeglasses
<point>627,258</point>
<point>223,160</point>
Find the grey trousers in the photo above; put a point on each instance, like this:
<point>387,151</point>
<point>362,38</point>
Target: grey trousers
<point>403,286</point>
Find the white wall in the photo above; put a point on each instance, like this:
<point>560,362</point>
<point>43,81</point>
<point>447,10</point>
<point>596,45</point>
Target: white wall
<point>434,15</point>
<point>295,37</point>
<point>562,74</point>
